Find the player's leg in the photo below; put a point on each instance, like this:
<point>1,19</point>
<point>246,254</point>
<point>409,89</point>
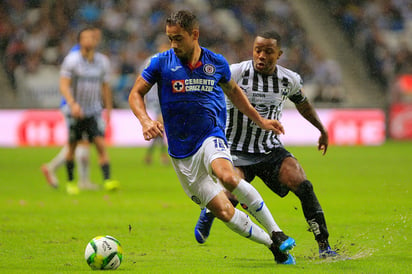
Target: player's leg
<point>109,183</point>
<point>71,186</point>
<point>82,156</point>
<point>75,133</point>
<point>249,196</point>
<point>204,190</point>
<point>49,169</point>
<point>206,218</point>
<point>237,220</point>
<point>96,132</point>
<point>293,176</point>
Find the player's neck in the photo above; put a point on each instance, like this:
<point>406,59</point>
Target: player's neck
<point>192,62</point>
<point>88,54</point>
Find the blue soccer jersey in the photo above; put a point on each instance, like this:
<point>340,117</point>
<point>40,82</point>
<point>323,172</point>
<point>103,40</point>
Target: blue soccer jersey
<point>192,102</point>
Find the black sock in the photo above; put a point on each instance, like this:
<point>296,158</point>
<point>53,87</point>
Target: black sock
<point>313,213</point>
<point>70,169</point>
<point>106,171</point>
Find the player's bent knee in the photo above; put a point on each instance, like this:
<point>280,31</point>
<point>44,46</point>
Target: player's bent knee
<point>304,187</point>
<point>223,215</point>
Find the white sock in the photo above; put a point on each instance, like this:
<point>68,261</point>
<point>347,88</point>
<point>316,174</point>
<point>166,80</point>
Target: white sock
<point>59,159</point>
<point>243,225</point>
<point>82,156</point>
<point>249,196</point>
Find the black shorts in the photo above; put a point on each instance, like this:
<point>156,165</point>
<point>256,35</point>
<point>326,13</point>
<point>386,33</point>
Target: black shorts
<point>268,170</point>
<point>89,127</point>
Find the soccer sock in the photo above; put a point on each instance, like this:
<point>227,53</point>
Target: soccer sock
<point>59,159</point>
<point>313,212</point>
<point>70,169</point>
<point>82,156</point>
<point>106,171</point>
<point>243,225</point>
<point>250,197</point>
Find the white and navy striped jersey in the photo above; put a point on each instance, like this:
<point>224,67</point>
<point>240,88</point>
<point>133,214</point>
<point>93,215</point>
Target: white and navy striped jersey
<point>267,93</point>
<point>86,80</point>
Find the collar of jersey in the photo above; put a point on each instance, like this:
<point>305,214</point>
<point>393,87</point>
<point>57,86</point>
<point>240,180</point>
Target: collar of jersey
<point>199,63</point>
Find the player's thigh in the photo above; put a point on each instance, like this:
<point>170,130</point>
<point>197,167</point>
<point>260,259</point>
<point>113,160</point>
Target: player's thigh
<point>95,127</point>
<point>223,169</point>
<point>74,129</point>
<point>197,183</point>
<point>291,173</point>
<point>218,161</point>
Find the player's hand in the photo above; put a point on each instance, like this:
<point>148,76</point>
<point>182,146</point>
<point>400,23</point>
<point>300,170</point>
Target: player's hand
<point>76,111</point>
<point>273,125</point>
<point>152,129</point>
<point>323,142</point>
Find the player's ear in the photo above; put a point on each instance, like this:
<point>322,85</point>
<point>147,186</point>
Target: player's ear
<point>195,33</point>
<point>280,53</point>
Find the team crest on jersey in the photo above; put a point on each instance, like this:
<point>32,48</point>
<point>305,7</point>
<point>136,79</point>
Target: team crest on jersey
<point>178,86</point>
<point>209,69</point>
<point>284,91</point>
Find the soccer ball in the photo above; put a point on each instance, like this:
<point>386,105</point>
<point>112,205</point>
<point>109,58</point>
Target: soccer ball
<point>103,252</point>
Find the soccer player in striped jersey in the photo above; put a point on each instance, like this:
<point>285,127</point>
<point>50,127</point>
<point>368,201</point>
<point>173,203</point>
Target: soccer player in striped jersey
<point>84,83</point>
<point>259,152</point>
<point>192,81</point>
<point>82,154</point>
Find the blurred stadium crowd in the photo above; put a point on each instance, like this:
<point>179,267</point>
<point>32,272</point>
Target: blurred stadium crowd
<point>382,30</point>
<point>36,33</point>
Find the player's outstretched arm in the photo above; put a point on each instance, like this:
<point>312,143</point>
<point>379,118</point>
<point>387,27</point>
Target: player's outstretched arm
<point>150,128</point>
<point>309,113</point>
<point>240,100</point>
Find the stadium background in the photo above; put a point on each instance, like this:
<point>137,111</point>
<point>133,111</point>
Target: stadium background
<point>353,56</point>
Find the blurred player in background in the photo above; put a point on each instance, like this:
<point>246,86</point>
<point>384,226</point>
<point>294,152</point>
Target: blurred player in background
<point>82,154</point>
<point>153,107</point>
<point>84,83</point>
<point>260,153</point>
<point>192,81</point>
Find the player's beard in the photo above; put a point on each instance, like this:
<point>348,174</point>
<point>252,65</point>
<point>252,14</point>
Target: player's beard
<point>184,57</point>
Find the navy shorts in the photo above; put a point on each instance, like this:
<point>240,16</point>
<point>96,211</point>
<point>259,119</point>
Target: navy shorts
<point>89,127</point>
<point>268,170</point>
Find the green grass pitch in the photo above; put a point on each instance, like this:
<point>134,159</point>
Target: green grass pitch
<point>365,193</point>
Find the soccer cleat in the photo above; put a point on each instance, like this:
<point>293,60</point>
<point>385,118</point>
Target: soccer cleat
<point>87,185</point>
<point>327,253</point>
<point>50,176</point>
<point>282,241</point>
<point>72,188</point>
<point>290,260</point>
<point>203,226</point>
<point>111,185</point>
<point>280,247</point>
<point>287,244</point>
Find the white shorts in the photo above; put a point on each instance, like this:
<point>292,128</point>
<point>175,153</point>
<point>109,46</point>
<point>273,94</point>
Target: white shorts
<point>195,172</point>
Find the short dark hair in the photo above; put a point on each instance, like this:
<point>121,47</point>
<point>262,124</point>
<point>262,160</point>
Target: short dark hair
<point>83,30</point>
<point>185,19</point>
<point>271,34</point>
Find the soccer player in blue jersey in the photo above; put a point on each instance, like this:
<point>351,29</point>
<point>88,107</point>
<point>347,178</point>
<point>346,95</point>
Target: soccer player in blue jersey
<point>259,153</point>
<point>192,82</point>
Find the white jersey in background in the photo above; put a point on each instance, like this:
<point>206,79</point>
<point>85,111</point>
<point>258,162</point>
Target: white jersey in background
<point>86,80</point>
<point>267,93</point>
